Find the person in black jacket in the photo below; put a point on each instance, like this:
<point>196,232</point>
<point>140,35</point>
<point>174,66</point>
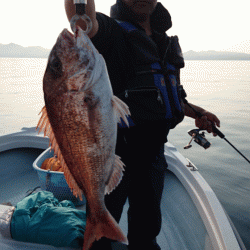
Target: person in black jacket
<point>144,69</point>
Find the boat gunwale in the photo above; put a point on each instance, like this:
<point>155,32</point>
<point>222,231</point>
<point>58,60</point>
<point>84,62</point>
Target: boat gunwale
<point>209,207</point>
<point>27,138</point>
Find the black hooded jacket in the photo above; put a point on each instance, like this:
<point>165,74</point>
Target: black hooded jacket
<point>112,42</point>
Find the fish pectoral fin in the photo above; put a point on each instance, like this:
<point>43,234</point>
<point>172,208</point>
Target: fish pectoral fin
<point>121,109</point>
<point>116,175</point>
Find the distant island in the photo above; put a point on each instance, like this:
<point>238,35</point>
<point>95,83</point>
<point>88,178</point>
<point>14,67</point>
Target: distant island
<point>14,50</point>
<point>215,55</point>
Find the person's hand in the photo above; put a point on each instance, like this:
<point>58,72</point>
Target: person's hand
<point>206,121</point>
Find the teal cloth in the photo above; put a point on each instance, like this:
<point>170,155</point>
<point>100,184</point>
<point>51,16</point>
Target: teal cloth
<point>41,218</point>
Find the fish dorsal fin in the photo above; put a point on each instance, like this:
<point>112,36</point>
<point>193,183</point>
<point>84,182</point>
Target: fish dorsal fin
<point>121,109</point>
<point>116,175</point>
<point>44,124</point>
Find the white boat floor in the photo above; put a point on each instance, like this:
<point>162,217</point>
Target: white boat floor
<point>182,227</point>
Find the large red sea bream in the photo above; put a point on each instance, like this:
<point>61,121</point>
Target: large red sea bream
<point>80,117</point>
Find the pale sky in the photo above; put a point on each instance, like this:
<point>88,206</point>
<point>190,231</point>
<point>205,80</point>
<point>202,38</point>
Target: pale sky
<point>200,25</point>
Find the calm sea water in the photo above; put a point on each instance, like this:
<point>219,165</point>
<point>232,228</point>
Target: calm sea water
<point>222,87</point>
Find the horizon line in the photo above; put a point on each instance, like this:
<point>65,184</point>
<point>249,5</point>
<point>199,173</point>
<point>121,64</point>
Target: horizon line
<point>209,50</point>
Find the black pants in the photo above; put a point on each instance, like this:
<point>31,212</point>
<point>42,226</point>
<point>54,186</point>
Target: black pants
<point>143,154</point>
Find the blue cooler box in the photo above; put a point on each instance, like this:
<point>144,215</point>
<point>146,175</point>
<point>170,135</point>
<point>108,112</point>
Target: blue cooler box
<point>54,181</point>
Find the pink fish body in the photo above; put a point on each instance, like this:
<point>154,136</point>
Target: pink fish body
<point>80,117</point>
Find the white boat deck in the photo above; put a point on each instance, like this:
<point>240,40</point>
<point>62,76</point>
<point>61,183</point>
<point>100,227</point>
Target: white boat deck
<point>193,218</point>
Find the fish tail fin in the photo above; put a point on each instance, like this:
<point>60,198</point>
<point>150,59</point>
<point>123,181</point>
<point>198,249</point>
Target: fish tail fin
<point>106,226</point>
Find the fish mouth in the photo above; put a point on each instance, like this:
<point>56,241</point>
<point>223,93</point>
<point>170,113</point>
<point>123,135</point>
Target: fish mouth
<point>68,37</point>
<point>77,32</point>
<point>73,40</point>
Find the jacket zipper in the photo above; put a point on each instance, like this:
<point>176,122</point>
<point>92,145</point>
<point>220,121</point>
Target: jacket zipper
<point>159,97</point>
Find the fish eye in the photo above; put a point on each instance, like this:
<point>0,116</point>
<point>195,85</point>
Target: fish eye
<point>55,66</point>
<point>87,99</point>
<point>56,63</point>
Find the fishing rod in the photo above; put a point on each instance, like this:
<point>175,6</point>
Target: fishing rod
<point>200,139</point>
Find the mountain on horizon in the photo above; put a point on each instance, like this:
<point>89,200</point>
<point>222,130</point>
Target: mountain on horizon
<point>215,55</point>
<point>15,50</point>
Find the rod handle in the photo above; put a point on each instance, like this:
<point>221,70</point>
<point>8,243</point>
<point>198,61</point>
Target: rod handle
<point>215,130</point>
<point>218,132</point>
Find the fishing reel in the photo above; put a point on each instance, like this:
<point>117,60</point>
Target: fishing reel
<point>199,138</point>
